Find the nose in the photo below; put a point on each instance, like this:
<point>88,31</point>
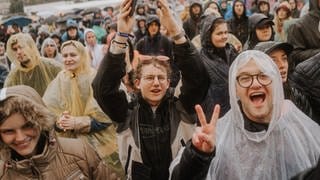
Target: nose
<point>255,82</point>
<point>156,80</point>
<point>20,136</point>
<point>19,51</point>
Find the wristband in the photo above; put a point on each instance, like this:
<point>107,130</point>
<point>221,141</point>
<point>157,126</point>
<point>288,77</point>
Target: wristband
<point>179,35</point>
<point>126,35</point>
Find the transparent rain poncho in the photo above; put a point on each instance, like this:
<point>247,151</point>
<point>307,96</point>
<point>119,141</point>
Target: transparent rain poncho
<point>72,91</point>
<point>290,145</point>
<point>40,70</point>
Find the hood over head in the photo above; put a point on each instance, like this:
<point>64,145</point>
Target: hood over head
<point>29,47</point>
<point>244,9</point>
<point>268,67</point>
<point>206,30</point>
<point>195,3</point>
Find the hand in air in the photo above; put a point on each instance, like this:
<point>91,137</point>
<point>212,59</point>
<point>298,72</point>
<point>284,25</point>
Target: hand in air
<point>204,139</point>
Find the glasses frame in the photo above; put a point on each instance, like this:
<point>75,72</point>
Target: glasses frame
<point>252,76</point>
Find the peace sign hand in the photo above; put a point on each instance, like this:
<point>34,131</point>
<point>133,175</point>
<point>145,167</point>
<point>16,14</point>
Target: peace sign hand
<point>205,136</point>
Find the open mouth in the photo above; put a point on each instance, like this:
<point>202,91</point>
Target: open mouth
<point>257,97</point>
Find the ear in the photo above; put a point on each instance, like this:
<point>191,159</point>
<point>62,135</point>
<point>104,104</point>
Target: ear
<point>137,83</point>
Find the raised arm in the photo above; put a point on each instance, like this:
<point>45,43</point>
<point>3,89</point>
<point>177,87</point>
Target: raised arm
<point>195,80</point>
<point>106,84</point>
<point>196,157</point>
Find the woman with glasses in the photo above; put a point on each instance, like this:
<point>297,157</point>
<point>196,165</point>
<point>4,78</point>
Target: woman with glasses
<point>155,125</point>
<point>70,97</point>
<point>263,136</point>
<point>49,49</point>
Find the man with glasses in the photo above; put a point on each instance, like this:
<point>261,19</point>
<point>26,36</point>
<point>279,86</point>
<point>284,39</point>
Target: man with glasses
<point>263,136</point>
<point>155,125</point>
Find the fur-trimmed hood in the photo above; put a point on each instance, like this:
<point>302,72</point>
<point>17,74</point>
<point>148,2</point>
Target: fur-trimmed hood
<point>28,102</point>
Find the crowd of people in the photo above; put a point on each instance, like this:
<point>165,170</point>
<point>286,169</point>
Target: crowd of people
<point>186,89</point>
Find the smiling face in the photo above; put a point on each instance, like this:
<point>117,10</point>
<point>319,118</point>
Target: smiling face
<point>256,100</point>
<point>71,58</point>
<point>219,36</point>
<point>280,57</point>
<point>19,135</point>
<point>153,83</point>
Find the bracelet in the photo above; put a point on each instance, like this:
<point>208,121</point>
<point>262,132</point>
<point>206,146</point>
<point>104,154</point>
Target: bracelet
<point>126,35</point>
<point>179,35</point>
<point>119,44</point>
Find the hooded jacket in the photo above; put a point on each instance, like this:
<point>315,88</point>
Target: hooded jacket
<point>192,25</point>
<point>239,26</point>
<point>56,158</point>
<point>217,62</point>
<point>254,20</point>
<point>304,35</point>
<point>289,145</point>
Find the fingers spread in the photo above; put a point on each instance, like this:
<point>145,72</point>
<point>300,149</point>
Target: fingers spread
<point>201,116</point>
<point>215,115</point>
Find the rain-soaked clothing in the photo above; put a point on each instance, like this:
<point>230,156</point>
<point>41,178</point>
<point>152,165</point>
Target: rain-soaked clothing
<point>286,146</point>
<point>72,92</point>
<point>40,71</point>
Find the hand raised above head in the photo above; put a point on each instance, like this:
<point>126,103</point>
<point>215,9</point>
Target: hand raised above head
<point>204,137</point>
<point>167,19</point>
<point>125,21</point>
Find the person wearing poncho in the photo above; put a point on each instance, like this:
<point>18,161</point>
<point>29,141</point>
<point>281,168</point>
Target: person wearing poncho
<point>70,96</point>
<point>29,67</point>
<point>263,136</point>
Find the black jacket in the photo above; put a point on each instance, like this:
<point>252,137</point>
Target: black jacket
<point>155,150</point>
<point>304,35</point>
<point>217,62</point>
<point>239,26</point>
<point>3,75</point>
<point>306,78</point>
<point>192,25</point>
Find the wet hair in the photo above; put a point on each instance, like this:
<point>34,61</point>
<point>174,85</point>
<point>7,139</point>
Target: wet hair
<point>164,65</point>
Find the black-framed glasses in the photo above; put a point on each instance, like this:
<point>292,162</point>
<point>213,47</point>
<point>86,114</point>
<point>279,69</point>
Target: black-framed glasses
<point>246,80</point>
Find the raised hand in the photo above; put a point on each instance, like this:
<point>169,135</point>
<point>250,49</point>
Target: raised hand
<point>167,19</point>
<point>125,22</point>
<point>204,137</point>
